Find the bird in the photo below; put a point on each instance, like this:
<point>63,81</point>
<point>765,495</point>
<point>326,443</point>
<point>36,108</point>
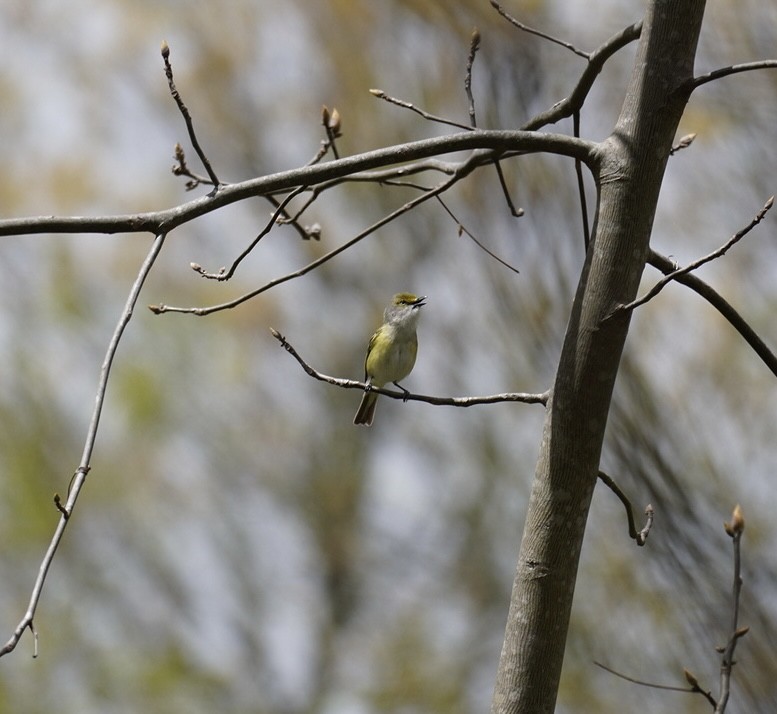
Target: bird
<point>391,352</point>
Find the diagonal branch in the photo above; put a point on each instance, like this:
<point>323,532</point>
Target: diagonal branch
<point>532,31</point>
<point>714,298</point>
<point>661,284</point>
<point>279,211</point>
<point>471,236</point>
<point>463,170</point>
<point>596,61</point>
<point>380,94</point>
<point>79,479</point>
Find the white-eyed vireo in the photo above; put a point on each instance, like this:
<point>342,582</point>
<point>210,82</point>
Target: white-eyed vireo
<point>392,350</point>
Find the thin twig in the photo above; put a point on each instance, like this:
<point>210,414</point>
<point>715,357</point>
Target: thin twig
<point>639,536</point>
<point>531,31</point>
<point>331,123</point>
<point>661,284</point>
<point>735,529</point>
<point>470,235</point>
<point>224,274</point>
<point>380,94</point>
<point>596,61</point>
<point>474,45</point>
<point>642,683</point>
<point>182,169</point>
<point>522,397</point>
<point>464,169</point>
<point>187,117</point>
<point>581,186</point>
<point>515,212</point>
<point>83,469</point>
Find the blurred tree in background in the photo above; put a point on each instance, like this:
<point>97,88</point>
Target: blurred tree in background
<point>240,546</point>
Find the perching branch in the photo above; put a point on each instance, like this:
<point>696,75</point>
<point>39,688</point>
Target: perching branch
<point>523,397</point>
<point>83,469</point>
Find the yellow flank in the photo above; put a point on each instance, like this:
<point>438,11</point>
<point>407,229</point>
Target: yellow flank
<point>392,350</point>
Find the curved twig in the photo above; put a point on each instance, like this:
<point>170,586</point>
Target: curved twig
<point>639,536</point>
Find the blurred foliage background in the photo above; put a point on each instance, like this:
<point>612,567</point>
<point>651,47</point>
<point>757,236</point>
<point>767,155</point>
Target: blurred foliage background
<point>240,546</point>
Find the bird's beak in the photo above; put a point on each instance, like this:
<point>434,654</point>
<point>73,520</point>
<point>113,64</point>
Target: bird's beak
<point>420,302</point>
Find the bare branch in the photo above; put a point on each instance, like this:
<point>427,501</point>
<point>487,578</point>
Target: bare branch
<point>486,144</point>
<point>201,311</point>
<point>380,94</point>
<point>515,212</point>
<point>596,61</point>
<point>227,274</point>
<point>639,536</point>
<point>187,117</point>
<point>642,683</point>
<point>735,529</point>
<point>531,31</point>
<point>661,284</point>
<point>523,397</point>
<point>463,230</point>
<point>728,71</point>
<point>581,186</point>
<point>474,45</point>
<point>706,291</point>
<point>182,169</point>
<point>83,469</point>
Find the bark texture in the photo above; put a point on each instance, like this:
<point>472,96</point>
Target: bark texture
<point>629,174</point>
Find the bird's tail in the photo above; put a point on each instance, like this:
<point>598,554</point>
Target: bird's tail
<point>366,412</point>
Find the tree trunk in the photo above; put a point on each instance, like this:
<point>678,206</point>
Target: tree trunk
<point>629,176</point>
